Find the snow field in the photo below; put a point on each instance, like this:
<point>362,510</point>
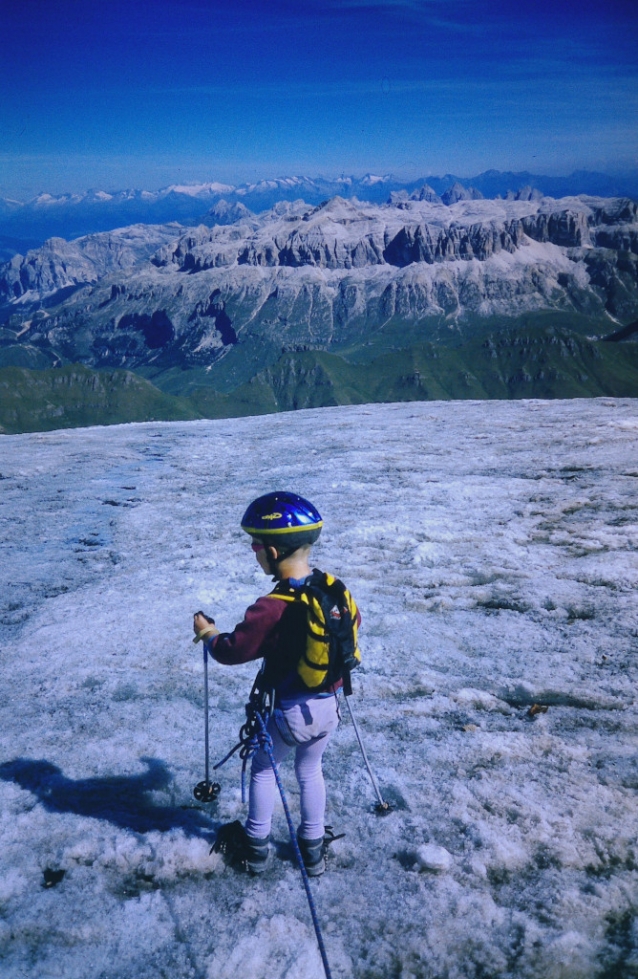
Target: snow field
<point>492,550</point>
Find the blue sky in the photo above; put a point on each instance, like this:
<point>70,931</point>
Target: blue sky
<point>113,94</point>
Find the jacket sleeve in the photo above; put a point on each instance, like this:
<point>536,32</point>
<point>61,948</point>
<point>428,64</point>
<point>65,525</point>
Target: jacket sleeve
<point>249,640</point>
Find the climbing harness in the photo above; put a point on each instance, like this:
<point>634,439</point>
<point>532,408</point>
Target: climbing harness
<point>261,701</point>
<point>206,791</point>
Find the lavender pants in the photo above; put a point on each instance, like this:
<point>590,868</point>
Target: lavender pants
<point>304,725</point>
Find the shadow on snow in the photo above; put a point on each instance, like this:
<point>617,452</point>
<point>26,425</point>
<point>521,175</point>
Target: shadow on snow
<point>119,799</point>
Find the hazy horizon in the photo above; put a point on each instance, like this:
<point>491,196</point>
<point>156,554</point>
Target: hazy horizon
<point>61,190</point>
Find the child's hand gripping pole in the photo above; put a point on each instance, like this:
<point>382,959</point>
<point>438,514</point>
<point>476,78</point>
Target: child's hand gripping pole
<point>205,791</point>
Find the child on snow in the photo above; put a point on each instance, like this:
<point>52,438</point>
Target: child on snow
<point>283,528</point>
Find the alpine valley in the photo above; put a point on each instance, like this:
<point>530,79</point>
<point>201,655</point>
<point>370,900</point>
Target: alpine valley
<point>425,296</point>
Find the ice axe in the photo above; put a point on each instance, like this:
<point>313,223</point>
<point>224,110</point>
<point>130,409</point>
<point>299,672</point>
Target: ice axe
<point>206,791</point>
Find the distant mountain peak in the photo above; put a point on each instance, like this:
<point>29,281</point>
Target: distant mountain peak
<point>425,193</point>
<point>199,189</point>
<point>458,192</point>
<point>371,179</point>
<point>225,212</point>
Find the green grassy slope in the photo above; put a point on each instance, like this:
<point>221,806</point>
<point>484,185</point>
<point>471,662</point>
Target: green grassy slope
<point>74,396</point>
<point>392,336</point>
<point>537,362</point>
<point>533,364</point>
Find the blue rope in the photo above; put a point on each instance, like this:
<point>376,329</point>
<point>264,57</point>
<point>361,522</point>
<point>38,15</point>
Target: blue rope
<point>266,742</point>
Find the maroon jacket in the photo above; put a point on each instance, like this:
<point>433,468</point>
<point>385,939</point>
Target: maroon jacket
<point>255,636</point>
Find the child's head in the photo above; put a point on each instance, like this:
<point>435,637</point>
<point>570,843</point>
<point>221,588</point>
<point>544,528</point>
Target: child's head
<point>284,522</point>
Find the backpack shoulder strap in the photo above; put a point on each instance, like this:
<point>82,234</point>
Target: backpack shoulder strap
<point>284,592</point>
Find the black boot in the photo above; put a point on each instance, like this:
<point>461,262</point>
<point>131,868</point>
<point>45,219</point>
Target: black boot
<point>312,854</point>
<point>240,849</point>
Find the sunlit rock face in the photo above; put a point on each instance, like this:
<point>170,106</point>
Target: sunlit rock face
<point>61,264</point>
<point>321,277</point>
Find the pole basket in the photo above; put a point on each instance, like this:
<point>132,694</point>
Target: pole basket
<point>383,808</point>
<point>207,791</point>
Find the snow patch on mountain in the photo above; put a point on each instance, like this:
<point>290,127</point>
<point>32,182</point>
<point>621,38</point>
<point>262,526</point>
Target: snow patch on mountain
<point>199,190</point>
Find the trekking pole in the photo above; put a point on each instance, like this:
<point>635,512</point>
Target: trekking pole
<point>382,807</point>
<point>206,791</point>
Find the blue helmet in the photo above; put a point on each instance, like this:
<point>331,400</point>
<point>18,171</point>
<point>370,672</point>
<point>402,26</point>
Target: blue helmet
<point>284,520</point>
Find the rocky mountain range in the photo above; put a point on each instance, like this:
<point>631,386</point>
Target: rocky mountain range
<point>27,224</point>
<point>216,305</point>
<point>424,296</point>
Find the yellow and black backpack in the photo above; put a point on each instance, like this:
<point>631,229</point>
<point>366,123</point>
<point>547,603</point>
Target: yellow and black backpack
<point>319,633</point>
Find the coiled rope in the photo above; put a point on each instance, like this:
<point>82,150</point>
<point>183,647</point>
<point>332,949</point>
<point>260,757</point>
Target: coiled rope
<point>260,703</point>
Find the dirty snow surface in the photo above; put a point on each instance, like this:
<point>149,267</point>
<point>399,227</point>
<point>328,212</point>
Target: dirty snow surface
<point>492,550</point>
